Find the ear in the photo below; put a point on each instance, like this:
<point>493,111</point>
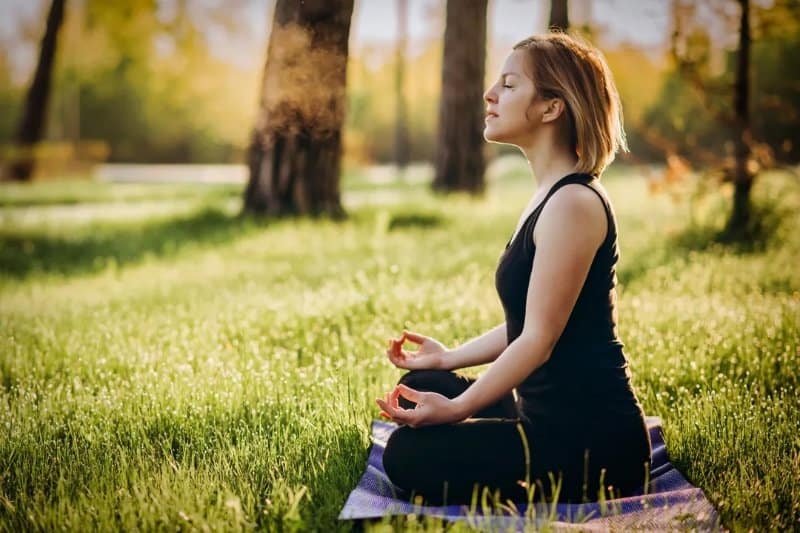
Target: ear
<point>554,108</point>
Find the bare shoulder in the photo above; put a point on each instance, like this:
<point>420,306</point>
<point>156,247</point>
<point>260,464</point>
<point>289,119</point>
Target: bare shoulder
<point>573,211</point>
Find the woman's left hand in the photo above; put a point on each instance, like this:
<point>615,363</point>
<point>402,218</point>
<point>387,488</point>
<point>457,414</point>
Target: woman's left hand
<point>432,408</point>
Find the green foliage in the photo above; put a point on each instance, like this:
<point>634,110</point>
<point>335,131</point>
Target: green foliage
<point>145,78</point>
<point>776,54</point>
<point>639,79</point>
<point>149,85</point>
<point>694,111</point>
<point>227,382</point>
<point>372,101</point>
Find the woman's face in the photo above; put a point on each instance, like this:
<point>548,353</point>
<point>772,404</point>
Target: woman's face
<point>507,103</point>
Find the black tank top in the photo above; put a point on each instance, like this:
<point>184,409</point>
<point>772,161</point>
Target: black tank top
<point>587,368</point>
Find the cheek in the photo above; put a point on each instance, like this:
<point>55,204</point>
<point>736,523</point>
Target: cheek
<point>520,108</point>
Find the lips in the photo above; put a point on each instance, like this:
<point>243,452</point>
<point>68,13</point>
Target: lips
<point>490,114</point>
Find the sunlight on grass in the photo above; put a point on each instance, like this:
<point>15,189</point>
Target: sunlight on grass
<point>202,370</point>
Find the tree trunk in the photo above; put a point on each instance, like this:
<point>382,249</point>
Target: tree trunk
<point>296,144</point>
<point>401,144</point>
<point>559,15</point>
<point>32,122</point>
<point>459,156</point>
<point>743,176</point>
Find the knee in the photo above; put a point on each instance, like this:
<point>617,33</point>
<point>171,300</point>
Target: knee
<point>423,379</point>
<point>398,458</point>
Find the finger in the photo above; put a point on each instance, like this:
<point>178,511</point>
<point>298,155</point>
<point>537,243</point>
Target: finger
<point>394,399</point>
<point>391,402</point>
<point>401,352</point>
<point>409,393</point>
<point>400,341</point>
<point>414,337</point>
<point>407,417</point>
<point>385,408</point>
<point>397,346</point>
<point>397,362</point>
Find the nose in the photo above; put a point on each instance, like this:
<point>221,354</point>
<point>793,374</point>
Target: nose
<point>490,96</point>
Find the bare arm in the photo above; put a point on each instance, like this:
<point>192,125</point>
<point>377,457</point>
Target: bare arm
<point>570,230</point>
<point>480,350</point>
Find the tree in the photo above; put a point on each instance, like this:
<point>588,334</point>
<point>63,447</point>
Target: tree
<point>559,15</point>
<point>32,121</point>
<point>743,176</point>
<point>460,162</point>
<point>715,100</point>
<point>295,151</point>
<point>401,120</point>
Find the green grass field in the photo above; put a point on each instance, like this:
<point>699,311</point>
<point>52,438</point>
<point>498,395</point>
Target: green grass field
<point>203,371</point>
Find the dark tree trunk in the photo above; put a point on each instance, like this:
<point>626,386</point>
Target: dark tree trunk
<point>296,144</point>
<point>559,15</point>
<point>459,156</point>
<point>32,122</point>
<point>743,176</point>
<point>401,144</point>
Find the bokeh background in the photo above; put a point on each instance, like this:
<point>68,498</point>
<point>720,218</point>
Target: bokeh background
<point>171,361</point>
<point>181,78</point>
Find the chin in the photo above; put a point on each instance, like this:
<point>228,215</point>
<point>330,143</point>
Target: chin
<point>494,137</point>
<point>491,136</point>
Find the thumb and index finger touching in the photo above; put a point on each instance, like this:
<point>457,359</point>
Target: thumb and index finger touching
<point>416,338</point>
<point>413,337</point>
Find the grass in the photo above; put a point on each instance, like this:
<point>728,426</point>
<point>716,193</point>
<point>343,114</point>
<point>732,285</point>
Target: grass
<point>203,371</point>
<point>83,191</point>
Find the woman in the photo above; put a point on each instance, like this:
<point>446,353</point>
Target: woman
<point>555,415</point>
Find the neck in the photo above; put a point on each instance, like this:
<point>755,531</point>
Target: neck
<point>549,162</point>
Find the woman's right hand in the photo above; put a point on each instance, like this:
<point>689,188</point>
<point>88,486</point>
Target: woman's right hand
<point>429,356</point>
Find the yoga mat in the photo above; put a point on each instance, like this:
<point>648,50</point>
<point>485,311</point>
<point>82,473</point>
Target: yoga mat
<point>671,501</point>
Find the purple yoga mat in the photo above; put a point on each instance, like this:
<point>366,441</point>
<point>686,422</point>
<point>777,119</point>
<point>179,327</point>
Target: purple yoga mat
<point>671,501</point>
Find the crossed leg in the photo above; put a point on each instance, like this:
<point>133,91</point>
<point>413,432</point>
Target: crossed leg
<point>445,463</point>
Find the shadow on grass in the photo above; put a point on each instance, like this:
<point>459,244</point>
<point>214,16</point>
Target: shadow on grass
<point>412,220</point>
<point>757,237</point>
<point>75,194</point>
<point>88,251</point>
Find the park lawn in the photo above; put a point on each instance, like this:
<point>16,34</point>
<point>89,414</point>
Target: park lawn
<point>210,371</point>
<point>86,191</point>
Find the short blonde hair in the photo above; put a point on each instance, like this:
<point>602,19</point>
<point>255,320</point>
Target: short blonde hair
<point>562,66</point>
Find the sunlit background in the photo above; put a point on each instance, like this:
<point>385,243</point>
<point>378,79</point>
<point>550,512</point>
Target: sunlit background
<point>177,81</point>
<point>170,362</point>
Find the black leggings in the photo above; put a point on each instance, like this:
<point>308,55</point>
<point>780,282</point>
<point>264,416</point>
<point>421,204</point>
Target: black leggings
<point>500,449</point>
